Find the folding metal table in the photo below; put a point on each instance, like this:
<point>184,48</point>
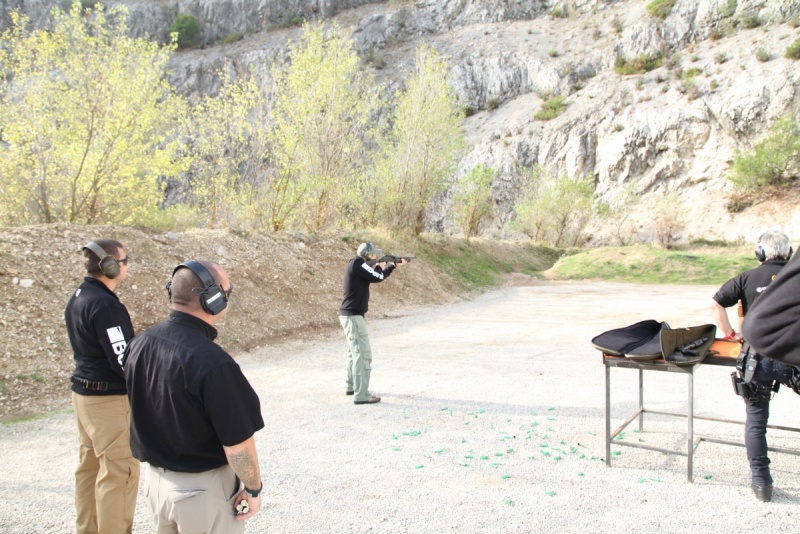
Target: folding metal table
<point>722,353</point>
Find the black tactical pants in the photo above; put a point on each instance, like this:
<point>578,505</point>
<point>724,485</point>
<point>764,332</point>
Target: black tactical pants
<point>755,433</point>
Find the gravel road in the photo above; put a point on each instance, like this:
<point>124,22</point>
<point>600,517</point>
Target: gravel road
<point>492,420</point>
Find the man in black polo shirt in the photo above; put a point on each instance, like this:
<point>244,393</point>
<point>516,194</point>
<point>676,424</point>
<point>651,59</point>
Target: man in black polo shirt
<point>194,415</point>
<point>758,376</point>
<point>99,329</point>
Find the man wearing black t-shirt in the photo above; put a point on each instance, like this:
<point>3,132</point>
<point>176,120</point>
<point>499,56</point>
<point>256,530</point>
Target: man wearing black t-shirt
<point>758,376</point>
<point>194,415</point>
<point>773,327</point>
<point>99,329</point>
<point>358,276</point>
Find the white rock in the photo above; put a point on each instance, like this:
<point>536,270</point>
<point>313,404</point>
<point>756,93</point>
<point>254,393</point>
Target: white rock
<point>26,283</point>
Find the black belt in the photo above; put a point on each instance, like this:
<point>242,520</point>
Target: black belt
<point>94,385</point>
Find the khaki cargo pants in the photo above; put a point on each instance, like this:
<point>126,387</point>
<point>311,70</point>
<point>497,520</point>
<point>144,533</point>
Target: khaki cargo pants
<point>107,477</point>
<point>359,356</point>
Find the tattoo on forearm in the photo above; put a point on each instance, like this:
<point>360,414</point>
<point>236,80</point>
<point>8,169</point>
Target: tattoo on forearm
<point>246,467</point>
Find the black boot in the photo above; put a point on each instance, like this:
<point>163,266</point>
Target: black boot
<point>763,493</point>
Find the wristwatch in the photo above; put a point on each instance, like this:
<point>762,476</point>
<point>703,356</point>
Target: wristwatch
<point>254,493</point>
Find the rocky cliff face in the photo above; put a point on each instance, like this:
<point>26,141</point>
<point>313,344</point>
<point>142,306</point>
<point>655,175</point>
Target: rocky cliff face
<point>152,18</point>
<point>673,129</point>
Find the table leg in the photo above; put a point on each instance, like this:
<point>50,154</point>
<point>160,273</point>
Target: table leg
<point>608,415</point>
<point>641,400</point>
<point>690,430</point>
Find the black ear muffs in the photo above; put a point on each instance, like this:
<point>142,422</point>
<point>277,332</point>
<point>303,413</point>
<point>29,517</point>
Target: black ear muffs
<point>107,264</point>
<point>212,296</point>
<point>759,251</point>
<point>760,254</point>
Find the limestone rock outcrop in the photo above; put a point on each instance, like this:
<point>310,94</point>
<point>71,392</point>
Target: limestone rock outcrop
<point>673,129</point>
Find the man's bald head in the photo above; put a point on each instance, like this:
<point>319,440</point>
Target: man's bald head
<point>186,286</point>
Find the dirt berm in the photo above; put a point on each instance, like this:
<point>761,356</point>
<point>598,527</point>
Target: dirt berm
<point>286,285</point>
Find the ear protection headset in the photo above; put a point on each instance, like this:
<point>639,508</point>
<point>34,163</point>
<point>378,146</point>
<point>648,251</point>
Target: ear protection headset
<point>759,252</point>
<point>212,296</point>
<point>108,265</point>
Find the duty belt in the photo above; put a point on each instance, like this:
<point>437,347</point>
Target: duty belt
<point>91,385</point>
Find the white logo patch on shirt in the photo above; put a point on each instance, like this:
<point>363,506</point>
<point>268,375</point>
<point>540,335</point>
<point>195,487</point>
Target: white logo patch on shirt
<point>118,343</point>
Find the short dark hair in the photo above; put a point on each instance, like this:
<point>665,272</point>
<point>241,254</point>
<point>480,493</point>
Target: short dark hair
<point>90,260</point>
<point>186,285</point>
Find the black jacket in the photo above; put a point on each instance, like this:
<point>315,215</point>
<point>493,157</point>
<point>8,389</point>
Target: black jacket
<point>773,325</point>
<point>99,329</point>
<point>357,278</point>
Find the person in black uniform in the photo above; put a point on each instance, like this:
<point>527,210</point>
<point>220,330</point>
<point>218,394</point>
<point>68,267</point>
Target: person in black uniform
<point>194,415</point>
<point>773,326</point>
<point>758,377</point>
<point>99,329</point>
<point>358,275</point>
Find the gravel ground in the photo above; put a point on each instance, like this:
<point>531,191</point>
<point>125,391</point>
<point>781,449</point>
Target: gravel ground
<point>492,420</point>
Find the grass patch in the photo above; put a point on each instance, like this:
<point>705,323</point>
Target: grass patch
<point>35,417</point>
<point>691,73</point>
<point>793,50</point>
<point>637,65</point>
<point>233,37</point>
<point>763,55</point>
<point>476,264</point>
<point>551,108</point>
<point>647,264</point>
<point>751,21</point>
<point>660,8</point>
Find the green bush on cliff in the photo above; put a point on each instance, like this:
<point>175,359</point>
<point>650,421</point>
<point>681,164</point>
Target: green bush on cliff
<point>187,29</point>
<point>551,108</point>
<point>637,65</point>
<point>793,50</point>
<point>660,8</point>
<point>773,162</point>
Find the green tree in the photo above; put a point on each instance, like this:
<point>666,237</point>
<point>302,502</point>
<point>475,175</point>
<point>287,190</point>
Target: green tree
<point>555,210</point>
<point>323,125</point>
<point>571,206</point>
<point>530,210</point>
<point>274,197</point>
<point>219,132</point>
<point>617,213</point>
<point>85,116</point>
<point>421,151</point>
<point>774,161</point>
<point>472,202</point>
<point>668,220</point>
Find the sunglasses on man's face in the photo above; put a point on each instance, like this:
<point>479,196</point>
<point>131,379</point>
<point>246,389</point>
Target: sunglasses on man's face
<point>123,261</point>
<point>228,292</point>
